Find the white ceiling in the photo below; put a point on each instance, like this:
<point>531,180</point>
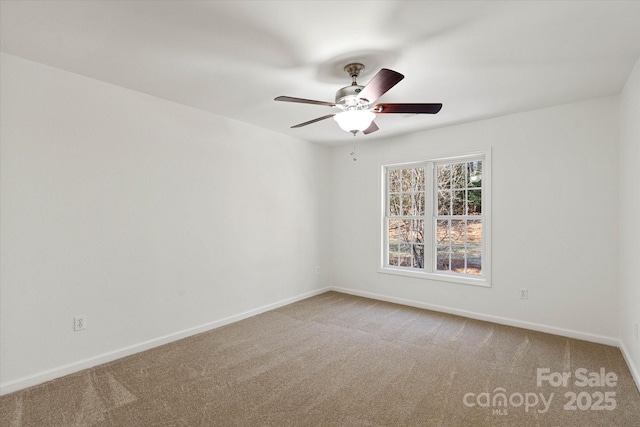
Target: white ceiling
<point>480,59</point>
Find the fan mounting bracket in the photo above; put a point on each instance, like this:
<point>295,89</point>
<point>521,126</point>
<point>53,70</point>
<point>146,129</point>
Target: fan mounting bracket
<point>354,69</point>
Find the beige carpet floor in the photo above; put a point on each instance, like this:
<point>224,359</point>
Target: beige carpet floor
<point>340,360</point>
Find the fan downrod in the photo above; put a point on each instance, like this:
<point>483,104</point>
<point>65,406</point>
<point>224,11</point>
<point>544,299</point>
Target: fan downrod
<point>348,95</point>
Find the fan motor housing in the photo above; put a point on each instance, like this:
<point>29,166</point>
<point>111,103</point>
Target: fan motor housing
<point>348,96</point>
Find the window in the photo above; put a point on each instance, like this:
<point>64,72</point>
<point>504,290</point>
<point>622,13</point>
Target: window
<point>406,217</point>
<point>436,219</point>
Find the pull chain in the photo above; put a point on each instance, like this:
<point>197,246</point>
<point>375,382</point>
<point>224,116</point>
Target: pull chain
<point>353,153</point>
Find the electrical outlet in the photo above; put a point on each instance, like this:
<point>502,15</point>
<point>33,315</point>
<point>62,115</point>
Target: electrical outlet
<point>318,270</point>
<point>524,293</point>
<point>79,323</point>
<point>635,330</point>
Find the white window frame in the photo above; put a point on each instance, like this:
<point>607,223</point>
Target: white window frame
<point>428,271</point>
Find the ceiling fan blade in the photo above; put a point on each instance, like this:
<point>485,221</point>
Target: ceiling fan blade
<point>407,108</point>
<point>380,84</point>
<point>313,121</point>
<point>304,101</point>
<point>372,128</point>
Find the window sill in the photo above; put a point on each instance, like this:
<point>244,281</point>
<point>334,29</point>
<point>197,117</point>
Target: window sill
<point>463,280</point>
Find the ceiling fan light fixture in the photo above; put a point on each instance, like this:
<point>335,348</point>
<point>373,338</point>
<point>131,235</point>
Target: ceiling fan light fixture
<point>354,120</point>
<point>357,103</point>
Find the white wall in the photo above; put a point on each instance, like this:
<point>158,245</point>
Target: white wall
<point>153,218</point>
<point>554,218</point>
<point>630,219</point>
<point>146,216</point>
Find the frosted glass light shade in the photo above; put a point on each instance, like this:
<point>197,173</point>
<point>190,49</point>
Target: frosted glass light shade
<point>354,120</point>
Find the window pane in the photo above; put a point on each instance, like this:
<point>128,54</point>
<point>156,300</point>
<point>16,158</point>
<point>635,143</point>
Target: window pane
<point>404,255</point>
<point>417,227</point>
<point>474,232</point>
<point>475,174</point>
<point>414,180</point>
<point>457,259</point>
<point>459,175</point>
<point>394,181</point>
<point>394,230</point>
<point>406,179</point>
<point>442,261</point>
<point>444,202</point>
<point>442,232</point>
<point>405,230</point>
<point>406,204</point>
<point>419,204</point>
<point>394,204</point>
<point>458,231</point>
<point>418,256</point>
<point>475,202</point>
<point>418,178</point>
<point>474,260</point>
<point>443,174</point>
<point>393,254</point>
<point>458,202</point>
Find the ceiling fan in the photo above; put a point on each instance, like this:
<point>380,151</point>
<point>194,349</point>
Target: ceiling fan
<point>356,102</point>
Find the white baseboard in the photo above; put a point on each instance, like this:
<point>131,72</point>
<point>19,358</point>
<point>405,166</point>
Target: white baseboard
<point>50,374</point>
<point>632,367</point>
<point>600,339</point>
<point>60,371</point>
